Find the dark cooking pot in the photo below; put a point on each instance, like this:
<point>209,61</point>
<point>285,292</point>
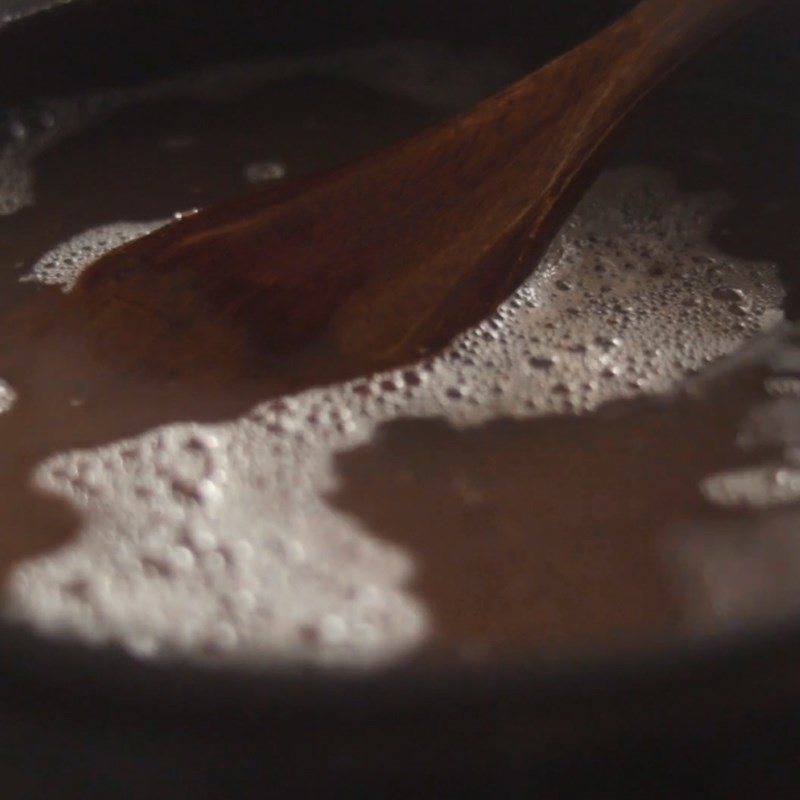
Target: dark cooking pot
<point>710,717</point>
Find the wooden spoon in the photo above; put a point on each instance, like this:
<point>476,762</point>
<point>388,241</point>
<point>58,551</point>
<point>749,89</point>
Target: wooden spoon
<point>378,262</point>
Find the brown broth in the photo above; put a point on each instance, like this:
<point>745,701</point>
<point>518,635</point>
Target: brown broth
<point>571,521</point>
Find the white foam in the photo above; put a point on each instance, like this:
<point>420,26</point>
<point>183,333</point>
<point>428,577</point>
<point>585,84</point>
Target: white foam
<point>8,396</point>
<point>63,265</point>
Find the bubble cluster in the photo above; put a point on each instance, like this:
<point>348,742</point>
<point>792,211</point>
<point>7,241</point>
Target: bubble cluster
<point>754,487</point>
<point>187,556</point>
<point>62,265</point>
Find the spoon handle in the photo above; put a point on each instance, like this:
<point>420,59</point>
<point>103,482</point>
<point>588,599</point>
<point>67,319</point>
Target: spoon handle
<point>683,25</point>
<point>608,74</point>
<point>657,35</point>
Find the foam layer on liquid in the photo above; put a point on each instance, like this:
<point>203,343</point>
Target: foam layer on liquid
<point>217,540</point>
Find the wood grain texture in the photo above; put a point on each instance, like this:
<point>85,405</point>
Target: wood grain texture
<point>388,258</point>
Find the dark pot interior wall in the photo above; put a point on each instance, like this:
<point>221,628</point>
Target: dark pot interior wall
<point>121,40</point>
<point>113,41</point>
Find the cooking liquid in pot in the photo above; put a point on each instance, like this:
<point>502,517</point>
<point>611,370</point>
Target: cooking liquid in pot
<point>571,473</point>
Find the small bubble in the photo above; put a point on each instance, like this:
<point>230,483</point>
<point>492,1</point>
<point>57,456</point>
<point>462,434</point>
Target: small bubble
<point>390,384</point>
<point>293,551</point>
<point>606,342</point>
<point>7,397</point>
<point>201,539</point>
<point>77,588</point>
<point>244,600</point>
<point>182,558</point>
<point>202,441</point>
<point>541,362</point>
<point>333,629</point>
<point>199,491</point>
<point>215,561</point>
<point>261,172</point>
<point>365,389</point>
<point>727,293</point>
<point>154,565</point>
<point>412,378</point>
